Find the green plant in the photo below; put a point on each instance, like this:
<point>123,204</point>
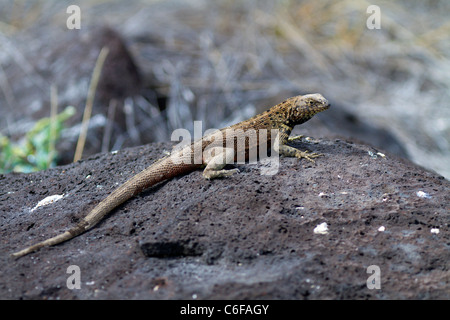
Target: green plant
<point>36,150</point>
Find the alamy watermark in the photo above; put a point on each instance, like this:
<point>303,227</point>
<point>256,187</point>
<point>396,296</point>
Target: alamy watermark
<point>374,20</point>
<point>374,281</point>
<point>74,280</point>
<point>74,20</point>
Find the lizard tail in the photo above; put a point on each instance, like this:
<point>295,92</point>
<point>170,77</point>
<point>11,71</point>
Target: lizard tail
<point>161,170</point>
<point>80,228</point>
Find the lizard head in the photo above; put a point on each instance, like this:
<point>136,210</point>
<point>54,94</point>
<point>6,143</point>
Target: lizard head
<point>305,107</point>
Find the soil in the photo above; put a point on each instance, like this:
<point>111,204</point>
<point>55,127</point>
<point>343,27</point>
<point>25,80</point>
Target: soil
<point>248,236</point>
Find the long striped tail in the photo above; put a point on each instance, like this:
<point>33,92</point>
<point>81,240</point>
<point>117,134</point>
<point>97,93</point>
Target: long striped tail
<point>161,170</point>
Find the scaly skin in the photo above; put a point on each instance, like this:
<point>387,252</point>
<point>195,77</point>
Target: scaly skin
<point>215,155</point>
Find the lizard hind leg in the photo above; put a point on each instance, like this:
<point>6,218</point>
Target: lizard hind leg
<point>216,159</point>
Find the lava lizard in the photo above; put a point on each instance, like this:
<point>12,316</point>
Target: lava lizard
<point>282,117</point>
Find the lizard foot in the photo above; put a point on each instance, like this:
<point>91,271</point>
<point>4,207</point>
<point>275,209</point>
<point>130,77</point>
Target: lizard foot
<point>291,139</point>
<point>308,156</point>
<point>213,174</point>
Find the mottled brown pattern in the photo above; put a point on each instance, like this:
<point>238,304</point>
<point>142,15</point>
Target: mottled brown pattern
<point>282,117</point>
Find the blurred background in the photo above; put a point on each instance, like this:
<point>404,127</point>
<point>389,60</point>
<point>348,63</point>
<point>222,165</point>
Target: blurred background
<point>221,61</point>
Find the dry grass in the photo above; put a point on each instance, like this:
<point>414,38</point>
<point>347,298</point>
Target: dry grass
<point>218,61</point>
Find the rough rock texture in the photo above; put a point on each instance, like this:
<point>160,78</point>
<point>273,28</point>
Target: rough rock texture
<point>247,236</point>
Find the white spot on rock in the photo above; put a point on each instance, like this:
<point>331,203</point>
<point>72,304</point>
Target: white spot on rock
<point>422,194</point>
<point>321,228</point>
<point>47,200</point>
<point>434,230</point>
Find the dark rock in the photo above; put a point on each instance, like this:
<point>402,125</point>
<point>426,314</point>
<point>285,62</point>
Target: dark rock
<point>249,236</point>
<point>172,249</point>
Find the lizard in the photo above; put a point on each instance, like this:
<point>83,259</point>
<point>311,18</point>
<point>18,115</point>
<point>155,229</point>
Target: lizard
<point>281,117</point>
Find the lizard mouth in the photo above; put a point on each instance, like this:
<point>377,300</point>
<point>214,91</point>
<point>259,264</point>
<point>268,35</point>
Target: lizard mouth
<point>324,104</point>
<point>323,101</point>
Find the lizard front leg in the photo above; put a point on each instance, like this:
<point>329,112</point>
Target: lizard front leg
<point>292,139</point>
<point>215,160</point>
<point>288,151</point>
